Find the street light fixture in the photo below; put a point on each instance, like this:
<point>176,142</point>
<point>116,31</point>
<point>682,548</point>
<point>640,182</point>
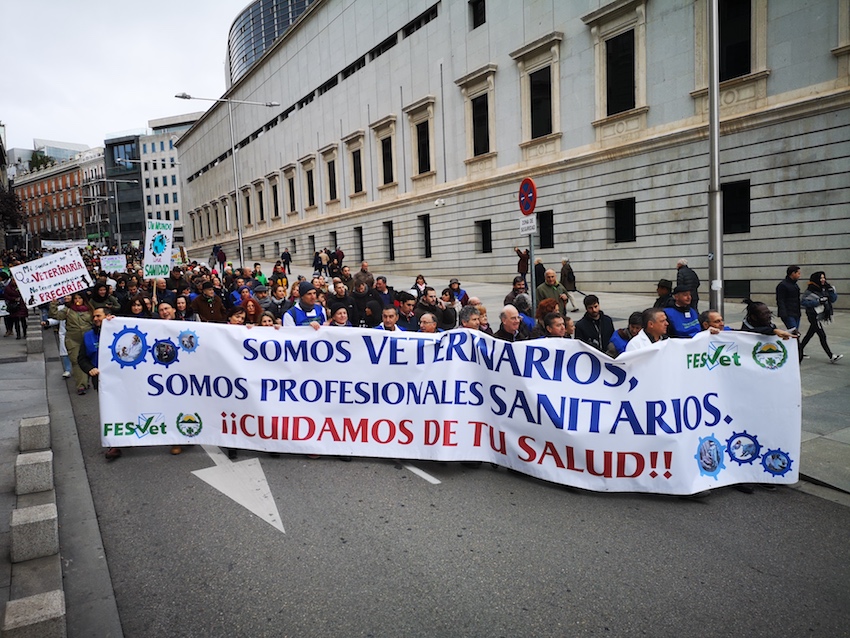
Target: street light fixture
<point>230,103</point>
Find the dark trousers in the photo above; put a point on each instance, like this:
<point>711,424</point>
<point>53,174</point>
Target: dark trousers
<point>815,327</point>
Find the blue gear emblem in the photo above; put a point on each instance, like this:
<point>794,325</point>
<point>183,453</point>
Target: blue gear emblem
<point>129,347</point>
<point>743,448</point>
<point>188,341</point>
<point>709,456</point>
<point>776,462</point>
<point>164,352</point>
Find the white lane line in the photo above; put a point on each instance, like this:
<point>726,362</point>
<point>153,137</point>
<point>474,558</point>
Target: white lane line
<point>421,474</point>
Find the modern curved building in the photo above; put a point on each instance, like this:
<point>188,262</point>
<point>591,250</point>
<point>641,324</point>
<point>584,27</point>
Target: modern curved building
<point>404,130</point>
<point>255,29</point>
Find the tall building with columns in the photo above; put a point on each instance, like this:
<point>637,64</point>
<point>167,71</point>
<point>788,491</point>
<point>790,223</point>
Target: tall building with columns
<point>405,129</point>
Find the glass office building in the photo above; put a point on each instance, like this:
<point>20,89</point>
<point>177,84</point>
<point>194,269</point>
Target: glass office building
<point>254,30</point>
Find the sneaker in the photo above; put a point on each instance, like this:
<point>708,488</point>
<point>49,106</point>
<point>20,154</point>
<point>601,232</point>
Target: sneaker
<point>805,356</point>
<point>176,450</point>
<point>65,375</point>
<point>112,453</point>
<point>835,358</point>
<point>81,390</point>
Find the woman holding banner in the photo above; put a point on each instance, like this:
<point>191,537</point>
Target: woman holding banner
<point>78,321</point>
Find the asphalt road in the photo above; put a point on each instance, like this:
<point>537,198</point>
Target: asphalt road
<point>372,549</point>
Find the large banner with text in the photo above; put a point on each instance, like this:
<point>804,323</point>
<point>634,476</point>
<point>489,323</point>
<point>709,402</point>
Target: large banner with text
<point>52,277</point>
<point>677,418</point>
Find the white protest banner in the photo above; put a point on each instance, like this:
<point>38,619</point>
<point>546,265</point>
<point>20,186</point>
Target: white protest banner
<point>679,418</point>
<point>52,277</point>
<point>4,311</point>
<point>53,245</point>
<point>113,263</point>
<point>158,248</point>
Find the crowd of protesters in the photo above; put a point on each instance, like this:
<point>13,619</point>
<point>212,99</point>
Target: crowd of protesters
<point>336,297</point>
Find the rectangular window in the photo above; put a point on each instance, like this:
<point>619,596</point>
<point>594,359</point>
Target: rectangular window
<point>735,34</point>
<point>165,198</point>
<point>358,243</point>
<point>425,225</point>
<point>170,144</point>
<point>147,182</point>
<point>275,203</point>
<point>736,207</point>
<point>146,166</point>
<point>156,182</point>
<point>261,208</point>
<point>333,239</point>
<point>311,189</point>
<point>620,72</point>
<point>176,215</point>
<point>311,242</point>
<point>149,200</point>
<point>156,199</point>
<point>291,184</point>
<point>153,164</point>
<point>477,13</point>
<point>247,218</point>
<point>144,148</point>
<point>387,160</point>
<point>171,161</point>
<point>388,233</point>
<point>546,229</point>
<point>423,147</point>
<point>332,180</point>
<point>480,126</point>
<point>174,180</point>
<point>623,211</point>
<point>174,197</point>
<point>357,170</point>
<point>736,288</point>
<point>158,215</point>
<point>483,236</point>
<point>162,146</point>
<point>168,214</point>
<point>541,102</point>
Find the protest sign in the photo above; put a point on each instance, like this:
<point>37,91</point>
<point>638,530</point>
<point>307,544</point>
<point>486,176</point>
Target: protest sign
<point>54,245</point>
<point>158,239</point>
<point>679,418</point>
<point>52,277</point>
<point>4,311</point>
<point>113,263</point>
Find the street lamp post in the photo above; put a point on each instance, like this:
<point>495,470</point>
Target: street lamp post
<point>95,201</point>
<point>230,103</point>
<point>115,183</point>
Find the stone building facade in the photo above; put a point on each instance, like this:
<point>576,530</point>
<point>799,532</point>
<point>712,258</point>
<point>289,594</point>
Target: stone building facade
<point>405,130</point>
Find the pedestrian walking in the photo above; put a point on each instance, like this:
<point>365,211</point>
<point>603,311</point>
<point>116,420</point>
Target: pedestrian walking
<point>818,300</point>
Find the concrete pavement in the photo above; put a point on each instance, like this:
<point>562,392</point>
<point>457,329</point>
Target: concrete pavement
<point>32,386</point>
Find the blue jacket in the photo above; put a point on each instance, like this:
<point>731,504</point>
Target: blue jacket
<point>684,322</point>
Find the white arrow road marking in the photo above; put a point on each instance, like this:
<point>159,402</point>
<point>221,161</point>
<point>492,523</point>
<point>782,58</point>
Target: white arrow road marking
<point>422,474</point>
<point>244,482</point>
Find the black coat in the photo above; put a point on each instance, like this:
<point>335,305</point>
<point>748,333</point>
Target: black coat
<point>788,299</point>
<point>595,332</point>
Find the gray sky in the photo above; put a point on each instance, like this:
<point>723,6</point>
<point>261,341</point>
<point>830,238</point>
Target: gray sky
<point>77,70</point>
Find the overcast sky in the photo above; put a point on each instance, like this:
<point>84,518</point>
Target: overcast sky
<point>78,70</point>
